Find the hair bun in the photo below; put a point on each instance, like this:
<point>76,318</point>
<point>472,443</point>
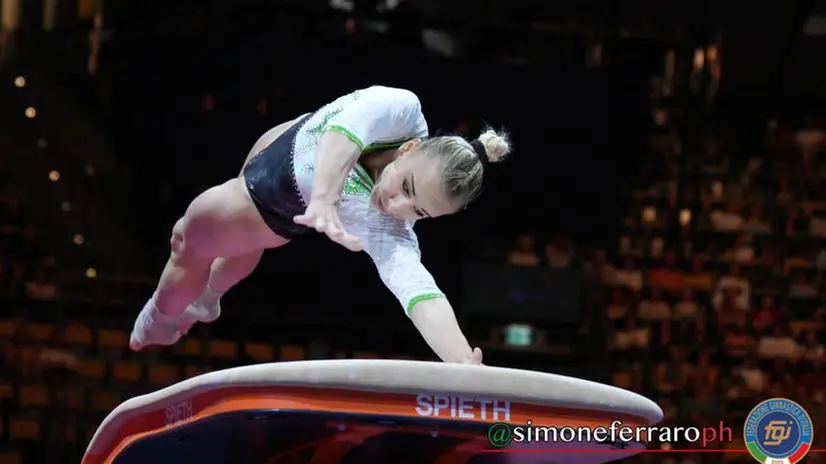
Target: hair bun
<point>496,145</point>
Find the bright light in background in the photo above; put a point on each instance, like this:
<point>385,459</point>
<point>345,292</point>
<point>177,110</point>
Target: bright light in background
<point>66,206</point>
<point>711,53</point>
<point>31,112</point>
<point>54,176</point>
<point>685,216</point>
<point>649,214</point>
<point>699,59</point>
<point>91,273</point>
<point>78,239</point>
<point>20,81</point>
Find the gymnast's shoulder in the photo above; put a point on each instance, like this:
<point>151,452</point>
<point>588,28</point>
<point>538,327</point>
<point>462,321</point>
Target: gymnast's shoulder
<point>389,95</point>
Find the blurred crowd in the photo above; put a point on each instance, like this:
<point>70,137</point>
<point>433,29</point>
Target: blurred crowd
<point>716,291</point>
<point>26,269</point>
<point>715,294</point>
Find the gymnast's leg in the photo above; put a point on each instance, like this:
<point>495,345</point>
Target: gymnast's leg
<point>224,274</point>
<point>227,271</point>
<point>222,222</point>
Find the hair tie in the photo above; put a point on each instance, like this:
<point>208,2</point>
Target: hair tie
<point>479,148</point>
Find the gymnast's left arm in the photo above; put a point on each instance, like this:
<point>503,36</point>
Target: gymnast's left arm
<point>394,248</point>
<point>436,321</point>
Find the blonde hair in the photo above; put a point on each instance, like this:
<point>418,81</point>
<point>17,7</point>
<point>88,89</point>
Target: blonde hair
<point>461,164</point>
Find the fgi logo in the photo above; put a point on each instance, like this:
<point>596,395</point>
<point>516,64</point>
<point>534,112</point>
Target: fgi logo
<point>778,431</point>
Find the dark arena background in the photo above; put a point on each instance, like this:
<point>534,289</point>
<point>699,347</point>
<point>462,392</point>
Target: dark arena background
<point>660,225</point>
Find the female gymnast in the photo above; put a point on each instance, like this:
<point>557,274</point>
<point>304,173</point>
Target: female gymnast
<point>361,170</point>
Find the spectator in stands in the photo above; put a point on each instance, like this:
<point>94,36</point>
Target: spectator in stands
<point>727,218</point>
<point>618,307</point>
<point>766,315</point>
<point>800,286</point>
<point>22,355</point>
<point>42,286</point>
<point>57,359</point>
<point>687,307</point>
<point>632,335</point>
<point>817,226</point>
<point>811,349</point>
<point>728,314</point>
<point>524,254</point>
<point>734,286</point>
<point>654,308</point>
<point>742,252</point>
<point>756,222</point>
<point>784,195</point>
<point>673,373</point>
<point>699,279</point>
<point>704,370</point>
<point>779,344</point>
<point>629,276</point>
<point>669,277</point>
<point>601,269</point>
<point>559,252</point>
<point>738,342</point>
<point>810,138</point>
<point>753,377</point>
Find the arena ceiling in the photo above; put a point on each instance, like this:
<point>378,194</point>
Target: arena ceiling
<point>778,47</point>
<point>775,47</point>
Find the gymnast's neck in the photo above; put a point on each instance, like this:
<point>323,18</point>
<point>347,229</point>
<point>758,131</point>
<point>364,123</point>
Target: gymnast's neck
<point>375,161</point>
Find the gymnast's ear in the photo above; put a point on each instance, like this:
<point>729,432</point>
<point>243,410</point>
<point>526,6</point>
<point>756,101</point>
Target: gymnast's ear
<point>409,146</point>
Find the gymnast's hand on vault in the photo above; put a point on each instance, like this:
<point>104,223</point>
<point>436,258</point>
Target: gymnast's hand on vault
<point>475,358</point>
<point>324,218</point>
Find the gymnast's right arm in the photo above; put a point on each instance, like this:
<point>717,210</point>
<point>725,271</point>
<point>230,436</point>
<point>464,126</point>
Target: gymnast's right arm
<point>379,113</point>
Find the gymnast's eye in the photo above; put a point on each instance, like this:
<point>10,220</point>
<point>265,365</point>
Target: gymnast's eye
<point>405,188</point>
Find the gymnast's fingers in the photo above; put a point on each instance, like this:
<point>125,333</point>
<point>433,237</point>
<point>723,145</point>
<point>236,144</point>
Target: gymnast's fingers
<point>334,229</point>
<point>355,243</point>
<point>320,224</point>
<point>350,241</point>
<point>303,219</point>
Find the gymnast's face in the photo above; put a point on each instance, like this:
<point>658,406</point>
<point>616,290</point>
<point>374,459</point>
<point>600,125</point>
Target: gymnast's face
<point>411,186</point>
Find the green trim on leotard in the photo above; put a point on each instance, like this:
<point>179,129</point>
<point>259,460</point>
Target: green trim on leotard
<point>347,133</point>
<point>420,298</point>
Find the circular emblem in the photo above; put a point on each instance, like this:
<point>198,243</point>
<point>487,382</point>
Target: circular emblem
<point>778,431</point>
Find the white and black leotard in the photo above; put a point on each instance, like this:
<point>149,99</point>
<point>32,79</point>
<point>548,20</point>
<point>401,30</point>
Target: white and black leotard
<point>280,182</point>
